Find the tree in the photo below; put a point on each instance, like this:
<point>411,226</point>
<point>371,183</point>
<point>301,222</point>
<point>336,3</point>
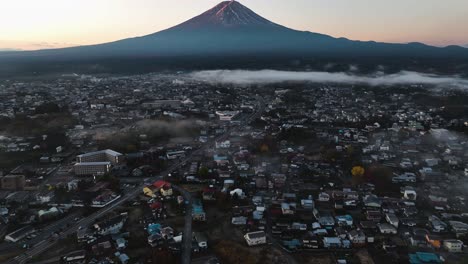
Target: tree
<point>61,194</point>
<point>264,148</point>
<point>114,182</point>
<point>357,172</point>
<point>381,176</point>
<point>203,172</point>
<point>47,108</point>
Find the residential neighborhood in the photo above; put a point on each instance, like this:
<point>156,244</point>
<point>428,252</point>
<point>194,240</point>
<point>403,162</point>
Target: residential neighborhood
<point>163,168</point>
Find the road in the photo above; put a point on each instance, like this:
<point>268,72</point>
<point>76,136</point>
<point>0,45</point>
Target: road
<point>43,245</point>
<point>42,234</point>
<point>187,234</point>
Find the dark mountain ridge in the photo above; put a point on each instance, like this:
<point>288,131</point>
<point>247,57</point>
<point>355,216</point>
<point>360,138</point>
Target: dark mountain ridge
<point>233,32</point>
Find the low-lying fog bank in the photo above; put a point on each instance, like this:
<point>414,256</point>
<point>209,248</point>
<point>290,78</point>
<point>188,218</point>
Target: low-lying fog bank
<point>376,79</point>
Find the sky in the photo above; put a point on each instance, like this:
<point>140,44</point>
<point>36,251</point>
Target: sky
<point>39,24</point>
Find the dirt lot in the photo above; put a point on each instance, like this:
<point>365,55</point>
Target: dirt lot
<point>231,252</point>
<point>314,259</point>
<point>364,257</point>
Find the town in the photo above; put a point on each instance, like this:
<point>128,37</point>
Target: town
<point>165,168</point>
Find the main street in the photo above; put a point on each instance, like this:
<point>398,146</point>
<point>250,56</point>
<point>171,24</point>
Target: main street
<point>42,246</point>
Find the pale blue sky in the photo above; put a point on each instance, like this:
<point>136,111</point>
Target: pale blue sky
<point>34,24</point>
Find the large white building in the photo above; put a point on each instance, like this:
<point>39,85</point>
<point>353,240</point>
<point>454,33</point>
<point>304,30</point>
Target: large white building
<point>111,156</point>
<point>19,234</point>
<point>255,238</point>
<point>227,115</point>
<point>97,163</point>
<point>92,168</point>
<point>453,245</point>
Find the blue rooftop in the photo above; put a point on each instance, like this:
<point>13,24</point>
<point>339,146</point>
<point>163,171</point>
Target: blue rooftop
<point>423,258</point>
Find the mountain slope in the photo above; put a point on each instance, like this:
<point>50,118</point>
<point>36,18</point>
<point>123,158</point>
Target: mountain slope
<point>231,30</point>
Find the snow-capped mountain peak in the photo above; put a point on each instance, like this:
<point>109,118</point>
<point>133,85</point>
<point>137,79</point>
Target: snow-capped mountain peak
<point>228,14</point>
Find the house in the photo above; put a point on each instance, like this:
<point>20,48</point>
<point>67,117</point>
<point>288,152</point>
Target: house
<point>357,237</point>
<point>209,194</point>
<point>409,193</point>
<point>437,224</point>
<point>410,211</point>
<point>167,233</point>
<point>164,187</point>
<point>255,238</point>
<point>326,220</point>
<point>372,201</point>
<point>299,226</point>
<point>459,228</point>
<point>350,203</point>
<point>332,242</point>
<point>324,197</point>
<point>292,244</point>
<point>73,185</point>
<point>120,243</point>
<point>418,237</point>
<point>453,245</point>
<point>340,232</point>
<point>201,239</point>
<point>387,229</point>
<point>344,220</point>
<point>288,208</point>
<point>373,215</point>
<point>369,225</point>
<point>12,182</point>
<point>223,144</point>
<point>432,162</point>
<point>407,177</point>
<point>239,220</point>
<point>321,232</point>
<point>123,258</point>
<point>392,219</point>
<point>310,240</point>
<point>45,197</point>
<point>85,234</point>
<point>4,211</point>
<point>49,214</point>
<point>307,204</point>
<point>155,240</point>
<point>111,226</point>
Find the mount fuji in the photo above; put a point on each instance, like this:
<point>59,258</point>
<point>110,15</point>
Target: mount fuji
<point>231,35</point>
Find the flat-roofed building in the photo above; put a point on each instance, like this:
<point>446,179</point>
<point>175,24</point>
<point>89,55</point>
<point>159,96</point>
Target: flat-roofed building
<point>227,115</point>
<point>97,162</point>
<point>19,234</point>
<point>109,155</point>
<point>92,168</point>
<point>453,245</point>
<point>12,182</point>
<point>255,238</point>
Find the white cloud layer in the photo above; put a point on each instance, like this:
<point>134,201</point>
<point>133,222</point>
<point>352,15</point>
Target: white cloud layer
<point>377,79</point>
